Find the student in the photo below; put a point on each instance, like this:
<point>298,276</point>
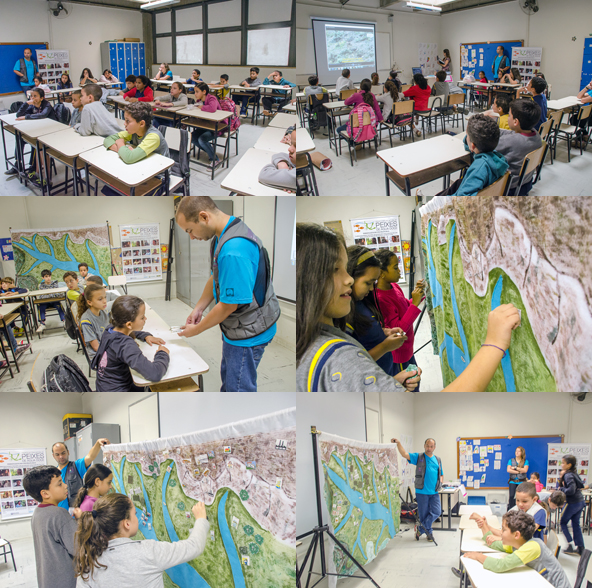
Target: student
<point>488,165</point>
<point>537,86</point>
<point>108,77</point>
<point>202,137</point>
<point>130,84</point>
<point>513,77</point>
<point>86,77</point>
<point>164,73</point>
<point>397,310</point>
<point>97,483</point>
<point>313,87</point>
<point>394,77</point>
<point>48,284</point>
<point>118,352</point>
<point>12,340</point>
<point>83,271</point>
<point>571,484</point>
<point>112,295</point>
<point>142,91</point>
<point>92,318</point>
<point>196,77</point>
<point>281,172</point>
<point>222,86</point>
<point>365,322</point>
<point>501,107</point>
<point>95,118</point>
<point>329,360</point>
<point>390,96</point>
<point>517,540</point>
<point>64,83</point>
<point>482,78</point>
<point>535,478</point>
<point>251,82</point>
<point>420,91</point>
<point>585,96</point>
<point>140,137</point>
<point>107,556</point>
<point>77,107</point>
<point>9,288</point>
<point>176,97</point>
<point>441,87</point>
<point>375,79</point>
<point>363,96</point>
<point>520,140</point>
<point>74,288</point>
<point>343,82</point>
<point>275,78</point>
<point>53,528</point>
<point>39,83</point>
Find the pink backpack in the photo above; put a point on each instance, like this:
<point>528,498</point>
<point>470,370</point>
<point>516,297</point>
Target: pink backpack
<point>229,105</point>
<point>364,132</point>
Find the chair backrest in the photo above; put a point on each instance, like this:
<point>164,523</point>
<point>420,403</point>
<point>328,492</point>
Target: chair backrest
<point>545,129</point>
<point>455,99</point>
<point>173,139</point>
<point>584,112</point>
<point>405,87</point>
<point>404,107</point>
<point>534,159</point>
<point>432,99</point>
<point>377,90</point>
<point>553,542</point>
<point>556,116</point>
<point>346,94</point>
<point>588,574</point>
<point>498,188</point>
<point>120,280</point>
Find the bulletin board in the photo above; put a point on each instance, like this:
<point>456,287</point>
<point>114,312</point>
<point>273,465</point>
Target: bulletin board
<point>9,53</point>
<point>485,52</point>
<point>498,450</point>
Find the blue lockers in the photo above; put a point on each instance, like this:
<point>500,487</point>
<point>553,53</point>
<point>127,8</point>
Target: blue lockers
<point>586,64</point>
<point>124,59</point>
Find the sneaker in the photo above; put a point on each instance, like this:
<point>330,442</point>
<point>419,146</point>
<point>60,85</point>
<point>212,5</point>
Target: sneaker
<point>22,348</point>
<point>456,572</point>
<point>571,551</point>
<point>11,172</point>
<point>214,165</point>
<point>41,328</point>
<point>266,113</point>
<point>243,113</point>
<point>417,533</point>
<point>3,364</point>
<point>430,537</point>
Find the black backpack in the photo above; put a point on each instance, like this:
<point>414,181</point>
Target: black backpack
<point>69,324</point>
<point>63,114</point>
<point>15,107</point>
<point>318,113</point>
<point>64,375</point>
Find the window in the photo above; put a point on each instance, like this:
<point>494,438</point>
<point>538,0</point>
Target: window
<point>268,47</point>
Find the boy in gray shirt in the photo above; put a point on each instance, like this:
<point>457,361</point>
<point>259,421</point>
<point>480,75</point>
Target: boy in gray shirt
<point>343,82</point>
<point>95,118</point>
<point>53,528</point>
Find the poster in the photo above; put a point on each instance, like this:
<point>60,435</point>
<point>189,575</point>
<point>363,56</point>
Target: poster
<point>528,61</point>
<point>245,472</point>
<point>380,233</point>
<point>6,249</point>
<point>483,252</point>
<point>581,451</point>
<point>428,58</point>
<point>14,463</point>
<point>406,247</point>
<point>362,497</point>
<point>60,250</point>
<point>140,251</point>
<point>116,261</point>
<point>164,252</point>
<point>52,63</point>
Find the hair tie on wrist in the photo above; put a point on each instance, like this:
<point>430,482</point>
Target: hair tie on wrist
<point>94,513</point>
<point>490,345</point>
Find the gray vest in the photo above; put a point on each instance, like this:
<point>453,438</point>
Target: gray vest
<point>162,149</point>
<point>548,567</point>
<point>420,472</point>
<point>517,477</point>
<point>25,78</point>
<point>248,320</point>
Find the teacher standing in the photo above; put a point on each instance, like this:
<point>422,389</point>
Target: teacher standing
<point>500,65</point>
<point>26,69</point>
<point>445,62</point>
<point>517,468</point>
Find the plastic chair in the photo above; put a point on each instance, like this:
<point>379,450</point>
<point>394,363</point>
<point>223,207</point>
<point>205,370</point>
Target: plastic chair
<point>553,543</point>
<point>567,132</point>
<point>454,116</point>
<point>346,94</point>
<point>400,108</point>
<point>173,138</point>
<point>305,170</point>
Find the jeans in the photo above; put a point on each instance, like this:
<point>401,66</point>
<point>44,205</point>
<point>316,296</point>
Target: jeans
<point>430,508</point>
<point>512,502</point>
<point>11,338</point>
<point>341,128</point>
<point>268,102</point>
<point>239,367</point>
<point>162,122</point>
<point>57,305</point>
<point>572,512</point>
<point>243,101</point>
<point>202,138</point>
<point>400,367</point>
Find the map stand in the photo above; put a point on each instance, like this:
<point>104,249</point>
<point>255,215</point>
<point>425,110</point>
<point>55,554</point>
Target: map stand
<point>318,540</point>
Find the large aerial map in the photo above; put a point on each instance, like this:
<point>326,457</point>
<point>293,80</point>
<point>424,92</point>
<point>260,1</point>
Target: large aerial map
<point>532,252</point>
<point>248,485</point>
<point>362,497</point>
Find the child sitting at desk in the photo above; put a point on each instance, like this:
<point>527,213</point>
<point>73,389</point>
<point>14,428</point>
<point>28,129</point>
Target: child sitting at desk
<point>501,108</point>
<point>390,96</point>
<point>86,77</point>
<point>251,82</point>
<point>176,97</point>
<point>363,95</point>
<point>276,78</point>
<point>196,77</point>
<point>313,87</point>
<point>108,77</point>
<point>112,295</point>
<point>130,84</point>
<point>535,478</point>
<point>92,316</point>
<point>9,288</point>
<point>48,284</point>
<point>202,137</point>
<point>140,137</point>
<point>118,352</point>
<point>222,86</point>
<point>95,119</point>
<point>420,92</point>
<point>517,540</point>
<point>142,92</point>
<point>164,73</point>
<point>64,83</point>
<point>281,172</point>
<point>39,83</point>
<point>441,87</point>
<point>513,77</point>
<point>343,82</point>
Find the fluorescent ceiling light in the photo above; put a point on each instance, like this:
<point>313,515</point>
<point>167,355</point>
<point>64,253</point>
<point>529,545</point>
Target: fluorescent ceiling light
<point>420,7</point>
<point>158,4</point>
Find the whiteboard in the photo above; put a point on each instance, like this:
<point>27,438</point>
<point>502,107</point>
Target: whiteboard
<point>284,248</point>
<point>143,419</point>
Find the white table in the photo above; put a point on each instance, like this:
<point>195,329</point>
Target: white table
<point>284,121</point>
<point>185,362</point>
<point>243,177</point>
<point>472,540</point>
<point>131,175</point>
<point>522,577</point>
<point>270,140</point>
<point>467,523</point>
<point>171,82</point>
<point>481,509</point>
<point>304,142</point>
<point>417,163</point>
<point>34,294</point>
<point>337,108</point>
<point>564,103</point>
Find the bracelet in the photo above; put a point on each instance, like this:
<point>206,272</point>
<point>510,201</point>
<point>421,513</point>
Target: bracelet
<point>490,345</point>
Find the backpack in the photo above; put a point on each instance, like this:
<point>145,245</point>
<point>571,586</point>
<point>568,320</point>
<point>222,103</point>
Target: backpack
<point>64,375</point>
<point>364,132</point>
<point>318,113</point>
<point>15,107</point>
<point>69,324</point>
<point>408,507</point>
<point>63,114</point>
<point>235,121</point>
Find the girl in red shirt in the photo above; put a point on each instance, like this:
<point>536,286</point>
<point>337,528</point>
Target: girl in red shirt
<point>142,92</point>
<point>420,92</point>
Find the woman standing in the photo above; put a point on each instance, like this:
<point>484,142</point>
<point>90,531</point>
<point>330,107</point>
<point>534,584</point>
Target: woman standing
<point>571,484</point>
<point>517,468</point>
<point>446,62</point>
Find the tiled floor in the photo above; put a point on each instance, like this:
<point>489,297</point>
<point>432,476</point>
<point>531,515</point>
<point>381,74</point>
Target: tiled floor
<point>276,372</point>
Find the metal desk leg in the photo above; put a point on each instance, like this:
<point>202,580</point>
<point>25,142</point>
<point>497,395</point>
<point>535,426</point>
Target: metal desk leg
<point>5,354</point>
<point>386,180</point>
<point>86,171</point>
<point>166,182</point>
<point>5,329</point>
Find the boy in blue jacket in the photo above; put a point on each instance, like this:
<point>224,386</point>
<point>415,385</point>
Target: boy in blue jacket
<point>275,78</point>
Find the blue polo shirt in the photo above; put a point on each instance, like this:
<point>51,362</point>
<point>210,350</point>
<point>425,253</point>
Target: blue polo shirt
<point>238,262</point>
<point>30,71</point>
<point>431,477</point>
<point>82,469</point>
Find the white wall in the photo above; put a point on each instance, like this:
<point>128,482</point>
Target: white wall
<point>25,426</point>
<point>82,32</point>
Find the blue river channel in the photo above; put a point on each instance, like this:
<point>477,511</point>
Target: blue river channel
<point>185,575</point>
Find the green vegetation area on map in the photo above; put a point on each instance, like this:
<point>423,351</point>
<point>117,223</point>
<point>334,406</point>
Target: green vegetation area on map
<point>349,47</point>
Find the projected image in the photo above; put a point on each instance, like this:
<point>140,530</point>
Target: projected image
<point>351,47</point>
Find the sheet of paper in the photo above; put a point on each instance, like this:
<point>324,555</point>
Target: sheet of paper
<point>483,451</point>
<point>497,465</point>
<point>490,449</point>
<point>498,455</point>
<point>476,441</point>
<point>497,447</point>
<point>480,63</point>
<point>469,478</point>
<point>483,478</point>
<point>476,484</point>
<point>470,483</point>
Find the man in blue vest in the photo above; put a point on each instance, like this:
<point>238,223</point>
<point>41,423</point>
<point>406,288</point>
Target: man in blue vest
<point>73,471</point>
<point>240,284</point>
<point>500,64</point>
<point>429,477</point>
<point>26,70</point>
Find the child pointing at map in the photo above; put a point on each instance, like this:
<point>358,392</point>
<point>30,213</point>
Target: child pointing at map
<point>108,557</point>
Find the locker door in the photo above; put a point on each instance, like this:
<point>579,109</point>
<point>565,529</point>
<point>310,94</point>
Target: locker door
<point>142,59</point>
<point>128,58</point>
<point>135,59</point>
<point>113,65</point>
<point>121,59</point>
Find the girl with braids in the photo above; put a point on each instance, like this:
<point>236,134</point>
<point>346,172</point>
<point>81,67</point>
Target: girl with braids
<point>390,96</point>
<point>118,352</point>
<point>107,556</point>
<point>329,360</point>
<point>97,483</point>
<point>92,317</point>
<point>364,95</point>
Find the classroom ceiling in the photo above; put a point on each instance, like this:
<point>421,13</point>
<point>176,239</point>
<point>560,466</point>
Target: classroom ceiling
<point>115,3</point>
<point>448,7</point>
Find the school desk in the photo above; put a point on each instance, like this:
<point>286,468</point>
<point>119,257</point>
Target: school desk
<point>521,577</point>
<point>304,142</point>
<point>270,140</point>
<point>290,108</point>
<point>238,90</point>
<point>466,522</point>
<point>107,166</point>
<point>66,146</point>
<point>481,509</point>
<point>566,103</point>
<point>449,493</point>
<point>34,297</point>
<point>211,121</point>
<point>414,164</point>
<point>283,121</point>
<point>120,103</point>
<point>7,124</point>
<point>29,131</point>
<point>243,179</point>
<point>335,109</point>
<point>5,311</point>
<point>161,110</point>
<point>184,361</point>
<point>60,93</point>
<point>472,540</point>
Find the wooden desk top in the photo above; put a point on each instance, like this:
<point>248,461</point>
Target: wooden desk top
<point>70,143</point>
<point>37,128</point>
<point>284,121</point>
<point>517,578</point>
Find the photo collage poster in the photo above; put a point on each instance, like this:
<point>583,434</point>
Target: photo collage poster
<point>581,451</point>
<point>52,64</point>
<point>141,253</point>
<point>428,58</point>
<point>528,61</point>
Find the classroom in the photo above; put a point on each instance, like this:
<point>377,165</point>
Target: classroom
<point>80,273</point>
<point>367,450</point>
<point>402,97</point>
<point>204,488</point>
<point>450,293</point>
<point>148,97</point>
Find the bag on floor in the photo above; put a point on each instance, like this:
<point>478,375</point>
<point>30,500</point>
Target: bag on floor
<point>408,507</point>
<point>64,375</point>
